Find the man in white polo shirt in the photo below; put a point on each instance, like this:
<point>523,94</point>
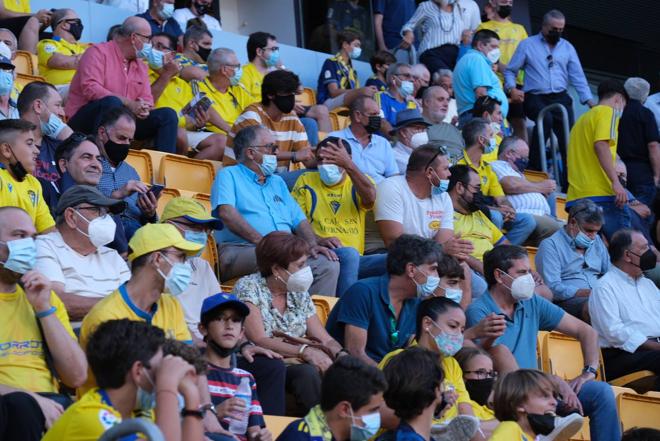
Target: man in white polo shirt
<point>74,257</point>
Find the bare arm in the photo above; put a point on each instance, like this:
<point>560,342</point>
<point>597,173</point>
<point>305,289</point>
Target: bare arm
<point>334,90</point>
<point>516,185</point>
<point>61,61</point>
<point>254,331</point>
<point>389,231</point>
<point>304,230</point>
<point>355,340</point>
<point>316,330</point>
<point>607,164</point>
<point>77,306</point>
<point>480,91</point>
<point>654,156</point>
<point>218,121</point>
<point>585,334</point>
<point>237,224</point>
<point>378,29</point>
<point>364,187</point>
<point>190,73</point>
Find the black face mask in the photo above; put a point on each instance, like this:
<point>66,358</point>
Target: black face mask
<point>541,424</point>
<point>285,103</point>
<point>17,170</point>
<point>374,124</point>
<point>115,152</point>
<point>76,29</point>
<point>623,181</point>
<point>201,8</point>
<point>220,351</point>
<point>647,260</point>
<point>552,37</point>
<point>504,11</point>
<point>479,390</point>
<point>475,203</point>
<point>204,53</point>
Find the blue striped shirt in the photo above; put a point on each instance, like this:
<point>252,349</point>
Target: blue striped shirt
<point>112,180</point>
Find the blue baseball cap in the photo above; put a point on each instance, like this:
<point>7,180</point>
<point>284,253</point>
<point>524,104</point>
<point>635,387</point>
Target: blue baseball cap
<point>225,300</point>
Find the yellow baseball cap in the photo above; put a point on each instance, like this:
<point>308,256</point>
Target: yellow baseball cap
<point>190,209</point>
<point>154,237</point>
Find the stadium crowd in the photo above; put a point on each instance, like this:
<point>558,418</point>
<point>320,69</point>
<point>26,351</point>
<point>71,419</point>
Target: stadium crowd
<point>443,259</point>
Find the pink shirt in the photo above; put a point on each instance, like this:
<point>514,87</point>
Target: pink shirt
<point>103,71</point>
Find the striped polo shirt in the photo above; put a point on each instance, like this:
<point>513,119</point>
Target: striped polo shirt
<point>531,203</point>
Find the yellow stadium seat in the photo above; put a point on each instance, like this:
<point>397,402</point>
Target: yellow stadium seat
<point>322,135</point>
<point>536,176</point>
<point>640,381</point>
<point>156,157</point>
<point>23,80</point>
<point>228,286</point>
<point>203,199</point>
<point>338,121</point>
<point>26,63</point>
<point>531,251</point>
<point>217,165</point>
<point>307,97</point>
<point>187,174</point>
<point>324,305</point>
<point>277,424</point>
<point>210,254</point>
<point>638,410</point>
<point>141,162</point>
<point>165,196</point>
<point>560,208</point>
<point>540,336</point>
<point>562,356</point>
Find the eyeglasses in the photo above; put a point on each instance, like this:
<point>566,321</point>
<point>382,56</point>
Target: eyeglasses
<point>442,151</point>
<point>233,66</point>
<point>100,211</point>
<point>483,373</point>
<point>272,147</point>
<point>550,61</point>
<point>69,21</point>
<point>274,48</point>
<point>405,76</point>
<point>146,37</point>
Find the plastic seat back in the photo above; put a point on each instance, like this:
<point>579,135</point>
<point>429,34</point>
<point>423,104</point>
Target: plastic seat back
<point>187,174</point>
<point>141,162</point>
<point>26,63</point>
<point>638,410</point>
<point>165,196</point>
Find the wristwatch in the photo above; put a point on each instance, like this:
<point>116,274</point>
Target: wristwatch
<point>591,370</point>
<point>209,407</point>
<point>193,413</point>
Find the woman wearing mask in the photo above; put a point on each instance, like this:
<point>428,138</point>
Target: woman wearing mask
<point>479,378</point>
<point>282,314</point>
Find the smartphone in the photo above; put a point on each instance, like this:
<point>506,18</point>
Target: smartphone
<point>156,189</point>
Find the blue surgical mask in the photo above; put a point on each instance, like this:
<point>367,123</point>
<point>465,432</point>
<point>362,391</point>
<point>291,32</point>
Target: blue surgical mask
<point>492,145</point>
<point>53,126</point>
<point>427,288</point>
<point>22,255</point>
<point>145,51</point>
<point>273,59</point>
<point>268,164</point>
<point>407,88</point>
<point>236,77</point>
<point>583,241</point>
<point>448,344</point>
<point>153,57</point>
<point>6,82</point>
<point>356,52</point>
<point>178,279</point>
<point>167,10</point>
<point>199,237</point>
<point>441,187</point>
<point>330,174</point>
<point>146,400</point>
<point>371,426</point>
<point>455,294</point>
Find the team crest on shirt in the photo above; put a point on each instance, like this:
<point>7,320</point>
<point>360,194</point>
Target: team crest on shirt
<point>33,197</point>
<point>49,48</point>
<point>334,205</point>
<point>434,225</point>
<point>107,418</point>
<point>328,74</point>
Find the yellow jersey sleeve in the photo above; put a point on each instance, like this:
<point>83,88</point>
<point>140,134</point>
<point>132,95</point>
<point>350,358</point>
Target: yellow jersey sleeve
<point>509,431</point>
<point>181,331</point>
<point>496,232</point>
<point>494,187</point>
<point>386,359</point>
<point>605,122</point>
<point>252,80</point>
<point>43,219</point>
<point>21,6</point>
<point>301,195</point>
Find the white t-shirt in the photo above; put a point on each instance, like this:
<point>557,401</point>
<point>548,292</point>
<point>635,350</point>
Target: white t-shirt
<point>530,203</point>
<point>184,14</point>
<point>135,6</point>
<point>471,13</point>
<point>95,275</point>
<point>452,111</point>
<point>203,284</point>
<point>424,217</point>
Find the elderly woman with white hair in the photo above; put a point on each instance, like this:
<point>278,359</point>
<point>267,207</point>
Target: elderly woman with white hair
<point>639,142</point>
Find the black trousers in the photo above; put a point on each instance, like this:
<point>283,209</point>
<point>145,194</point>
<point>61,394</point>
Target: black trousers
<point>442,57</point>
<point>619,363</point>
<point>303,385</point>
<point>270,376</point>
<point>21,418</point>
<point>551,122</point>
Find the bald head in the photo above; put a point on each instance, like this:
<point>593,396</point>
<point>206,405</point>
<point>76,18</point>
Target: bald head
<point>132,35</point>
<point>133,25</point>
<point>15,223</point>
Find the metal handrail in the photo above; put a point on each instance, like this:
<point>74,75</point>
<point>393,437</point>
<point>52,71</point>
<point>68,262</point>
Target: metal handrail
<point>553,142</point>
<point>133,426</point>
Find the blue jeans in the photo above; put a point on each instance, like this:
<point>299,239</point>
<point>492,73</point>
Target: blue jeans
<point>353,267</point>
<point>518,230</point>
<point>312,129</point>
<point>598,403</point>
<point>615,218</point>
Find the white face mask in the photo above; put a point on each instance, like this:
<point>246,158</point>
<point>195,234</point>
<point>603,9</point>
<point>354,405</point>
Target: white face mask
<point>493,55</point>
<point>100,231</point>
<point>301,280</point>
<point>419,139</point>
<point>522,287</point>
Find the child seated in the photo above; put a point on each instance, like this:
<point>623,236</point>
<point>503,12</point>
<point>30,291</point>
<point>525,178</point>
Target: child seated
<point>380,62</point>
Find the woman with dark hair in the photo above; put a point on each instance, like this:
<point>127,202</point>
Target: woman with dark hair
<point>282,314</point>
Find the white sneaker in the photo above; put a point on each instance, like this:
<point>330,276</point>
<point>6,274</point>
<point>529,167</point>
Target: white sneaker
<point>460,428</point>
<point>565,428</point>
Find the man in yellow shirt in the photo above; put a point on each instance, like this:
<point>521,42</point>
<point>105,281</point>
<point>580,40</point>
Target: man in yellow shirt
<point>335,200</point>
<point>592,154</point>
<point>59,56</point>
<point>228,97</point>
<point>32,314</point>
<point>160,272</point>
<point>15,15</point>
<point>18,160</point>
<point>127,360</point>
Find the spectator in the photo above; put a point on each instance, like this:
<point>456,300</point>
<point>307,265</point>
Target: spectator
<point>442,26</point>
<point>627,324</point>
<point>112,75</point>
<point>380,63</point>
<point>410,131</point>
<point>59,56</point>
<point>197,46</point>
<point>474,76</point>
<point>201,9</point>
<point>573,259</point>
<point>511,34</point>
<point>399,95</point>
<point>8,109</point>
<point>527,197</point>
<point>33,316</point>
<point>480,141</point>
<point>338,84</point>
<point>453,282</point>
<point>159,273</point>
<point>479,378</point>
<point>421,76</point>
<point>335,201</point>
<point>229,99</point>
<point>160,17</point>
<point>40,104</point>
<point>376,315</point>
<point>435,102</point>
<point>445,79</point>
<point>20,21</point>
<point>232,199</point>
<point>525,403</point>
<point>222,322</point>
<point>134,6</point>
<point>127,360</point>
<point>591,157</point>
<point>282,314</point>
<point>275,111</point>
<point>19,188</point>
<point>170,90</point>
<point>81,269</point>
<point>639,142</point>
<point>351,399</point>
<point>119,179</point>
<point>389,18</point>
<point>550,64</point>
<point>511,292</point>
<point>490,109</point>
<point>371,153</point>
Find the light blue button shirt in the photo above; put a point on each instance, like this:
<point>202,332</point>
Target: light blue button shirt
<point>474,70</point>
<point>375,160</point>
<point>266,206</point>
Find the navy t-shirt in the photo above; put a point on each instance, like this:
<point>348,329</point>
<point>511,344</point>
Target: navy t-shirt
<point>46,171</point>
<point>396,13</point>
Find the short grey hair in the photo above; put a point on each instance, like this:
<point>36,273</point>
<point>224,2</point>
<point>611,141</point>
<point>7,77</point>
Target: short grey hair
<point>219,57</point>
<point>394,69</point>
<point>419,68</point>
<point>244,139</point>
<point>508,143</point>
<point>13,37</point>
<point>637,88</point>
<point>585,211</point>
<point>441,73</point>
<point>553,14</point>
<point>431,90</point>
<point>473,130</point>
